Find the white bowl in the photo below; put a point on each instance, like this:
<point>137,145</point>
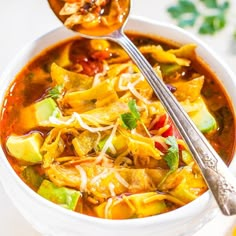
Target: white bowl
<point>50,219</point>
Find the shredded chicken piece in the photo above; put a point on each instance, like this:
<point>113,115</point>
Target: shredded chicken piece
<point>71,8</point>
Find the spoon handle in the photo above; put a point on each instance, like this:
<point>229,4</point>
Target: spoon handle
<point>217,176</point>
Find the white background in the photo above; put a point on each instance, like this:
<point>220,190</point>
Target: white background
<point>22,21</point>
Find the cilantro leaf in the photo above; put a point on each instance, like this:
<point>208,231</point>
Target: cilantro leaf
<point>129,121</point>
<point>188,12</point>
<point>172,156</point>
<point>183,6</point>
<point>185,12</point>
<point>133,109</point>
<point>187,22</point>
<point>210,3</point>
<point>212,24</point>
<point>55,92</point>
<point>131,118</point>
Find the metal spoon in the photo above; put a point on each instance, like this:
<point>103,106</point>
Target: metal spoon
<point>216,174</point>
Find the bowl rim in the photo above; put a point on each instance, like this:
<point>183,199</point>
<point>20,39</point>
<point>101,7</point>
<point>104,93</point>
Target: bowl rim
<point>140,222</point>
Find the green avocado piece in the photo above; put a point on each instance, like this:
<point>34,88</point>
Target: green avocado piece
<point>38,113</point>
<point>119,143</point>
<point>25,147</point>
<point>202,118</point>
<point>168,69</point>
<point>62,196</point>
<point>32,177</point>
<point>44,109</point>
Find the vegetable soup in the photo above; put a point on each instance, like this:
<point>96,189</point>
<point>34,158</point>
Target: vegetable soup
<point>82,127</point>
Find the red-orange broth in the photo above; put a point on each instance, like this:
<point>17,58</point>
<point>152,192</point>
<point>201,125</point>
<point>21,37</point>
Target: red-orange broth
<point>142,182</point>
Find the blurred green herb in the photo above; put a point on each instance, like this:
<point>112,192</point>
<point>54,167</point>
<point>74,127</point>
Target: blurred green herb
<point>234,35</point>
<point>130,119</point>
<point>188,12</point>
<point>172,156</point>
<point>210,3</point>
<point>55,92</point>
<point>185,12</point>
<point>29,77</point>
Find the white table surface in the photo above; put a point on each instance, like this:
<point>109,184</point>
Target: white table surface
<point>22,21</point>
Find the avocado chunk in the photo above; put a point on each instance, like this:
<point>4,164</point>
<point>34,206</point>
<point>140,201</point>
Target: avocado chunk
<point>38,113</point>
<point>25,147</point>
<point>202,118</point>
<point>32,177</point>
<point>44,109</point>
<point>62,196</point>
<point>119,143</point>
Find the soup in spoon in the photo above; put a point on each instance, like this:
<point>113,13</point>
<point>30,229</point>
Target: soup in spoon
<point>91,17</point>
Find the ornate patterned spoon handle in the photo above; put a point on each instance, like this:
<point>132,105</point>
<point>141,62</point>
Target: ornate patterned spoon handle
<point>220,181</point>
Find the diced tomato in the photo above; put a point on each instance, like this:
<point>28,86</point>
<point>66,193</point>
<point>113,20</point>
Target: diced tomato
<point>160,147</point>
<point>171,131</point>
<point>160,123</point>
<point>91,68</point>
<point>101,55</point>
<point>89,65</point>
<point>79,58</point>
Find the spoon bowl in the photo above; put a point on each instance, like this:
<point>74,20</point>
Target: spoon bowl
<point>92,19</point>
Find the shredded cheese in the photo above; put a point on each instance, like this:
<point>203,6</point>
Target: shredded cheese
<point>129,203</point>
<point>122,80</point>
<point>112,148</point>
<point>84,179</point>
<point>112,189</point>
<point>126,78</point>
<point>161,140</point>
<point>97,79</point>
<point>102,175</point>
<point>137,94</point>
<point>121,180</point>
<point>76,117</point>
<point>107,144</point>
<point>153,122</point>
<point>98,76</point>
<point>107,208</point>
